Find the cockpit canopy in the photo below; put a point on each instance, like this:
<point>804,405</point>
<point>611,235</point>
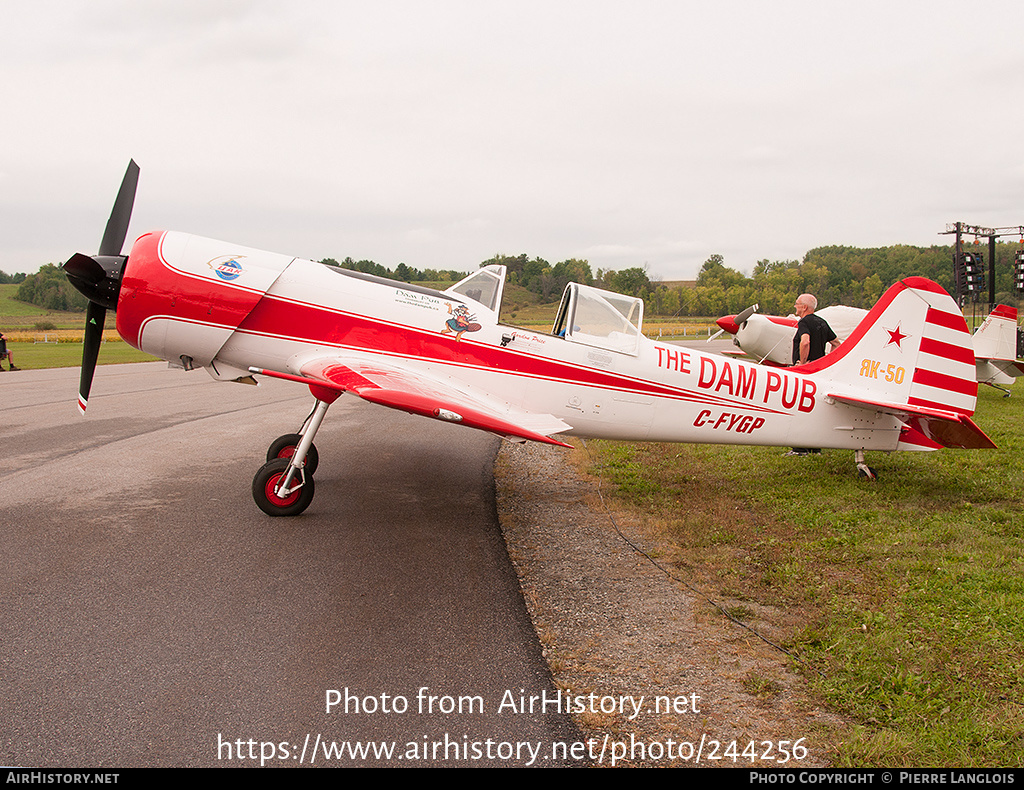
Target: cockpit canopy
<point>483,286</point>
<point>600,318</point>
<point>586,315</point>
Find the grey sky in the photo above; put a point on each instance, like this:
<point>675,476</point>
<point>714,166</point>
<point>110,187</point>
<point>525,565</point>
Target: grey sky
<point>440,133</point>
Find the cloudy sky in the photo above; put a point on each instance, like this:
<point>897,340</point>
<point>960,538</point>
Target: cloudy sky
<point>441,132</point>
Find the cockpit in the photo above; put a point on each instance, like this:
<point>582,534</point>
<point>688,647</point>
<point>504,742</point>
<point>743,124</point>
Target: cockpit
<point>600,318</point>
<point>586,315</point>
<point>483,286</point>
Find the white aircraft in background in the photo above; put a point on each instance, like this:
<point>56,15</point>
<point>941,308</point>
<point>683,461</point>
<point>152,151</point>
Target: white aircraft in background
<point>769,339</point>
<point>903,381</point>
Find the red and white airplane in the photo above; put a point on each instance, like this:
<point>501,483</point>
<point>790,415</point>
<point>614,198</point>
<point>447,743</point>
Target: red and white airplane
<point>903,381</point>
<point>769,339</point>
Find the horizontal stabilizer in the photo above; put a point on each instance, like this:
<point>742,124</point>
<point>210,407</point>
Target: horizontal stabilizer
<point>945,428</point>
<point>1013,368</point>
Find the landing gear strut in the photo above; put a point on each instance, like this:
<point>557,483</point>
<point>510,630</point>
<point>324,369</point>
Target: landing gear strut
<point>862,468</point>
<point>284,485</point>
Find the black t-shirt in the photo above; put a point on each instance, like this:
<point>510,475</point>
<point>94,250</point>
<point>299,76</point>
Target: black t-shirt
<point>820,333</point>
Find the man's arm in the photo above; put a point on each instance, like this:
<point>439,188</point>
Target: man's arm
<point>805,348</point>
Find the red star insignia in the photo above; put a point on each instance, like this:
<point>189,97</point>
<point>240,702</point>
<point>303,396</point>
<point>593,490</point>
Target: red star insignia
<point>895,336</point>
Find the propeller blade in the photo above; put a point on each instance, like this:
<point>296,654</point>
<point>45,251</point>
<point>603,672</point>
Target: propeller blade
<point>94,318</point>
<point>719,332</point>
<point>121,214</point>
<point>741,318</point>
<point>99,278</point>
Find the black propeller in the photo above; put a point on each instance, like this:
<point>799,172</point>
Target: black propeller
<point>98,277</point>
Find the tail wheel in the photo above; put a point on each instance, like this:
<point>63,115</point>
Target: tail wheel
<point>863,470</point>
<point>284,447</point>
<point>265,482</point>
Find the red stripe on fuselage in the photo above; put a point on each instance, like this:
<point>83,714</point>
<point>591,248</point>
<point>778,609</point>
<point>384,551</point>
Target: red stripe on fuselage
<point>315,324</point>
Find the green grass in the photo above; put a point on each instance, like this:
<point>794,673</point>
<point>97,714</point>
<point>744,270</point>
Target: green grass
<point>23,319</point>
<point>910,589</point>
<point>35,356</point>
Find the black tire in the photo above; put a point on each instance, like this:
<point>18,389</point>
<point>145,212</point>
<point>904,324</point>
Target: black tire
<point>266,480</point>
<point>284,447</point>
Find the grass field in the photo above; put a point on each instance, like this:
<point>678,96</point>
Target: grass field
<point>35,356</point>
<point>908,591</point>
<point>26,327</point>
<point>53,339</point>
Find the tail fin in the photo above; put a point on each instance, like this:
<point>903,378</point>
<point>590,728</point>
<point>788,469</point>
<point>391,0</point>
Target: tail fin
<point>995,349</point>
<point>913,349</point>
<point>997,337</point>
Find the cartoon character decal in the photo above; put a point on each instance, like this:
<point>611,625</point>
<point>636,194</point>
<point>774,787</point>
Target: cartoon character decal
<point>461,321</point>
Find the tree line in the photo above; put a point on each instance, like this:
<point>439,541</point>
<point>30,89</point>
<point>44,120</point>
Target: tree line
<point>851,276</point>
<point>402,272</point>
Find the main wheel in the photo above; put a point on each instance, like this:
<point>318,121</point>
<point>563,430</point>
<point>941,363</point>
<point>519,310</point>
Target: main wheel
<point>266,480</point>
<point>284,447</point>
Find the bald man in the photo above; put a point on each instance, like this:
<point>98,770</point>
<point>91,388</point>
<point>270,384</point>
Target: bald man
<point>812,335</point>
<point>812,332</point>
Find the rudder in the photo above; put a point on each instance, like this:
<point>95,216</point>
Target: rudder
<point>913,348</point>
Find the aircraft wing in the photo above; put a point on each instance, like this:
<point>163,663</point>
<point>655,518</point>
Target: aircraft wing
<point>946,428</point>
<point>417,392</point>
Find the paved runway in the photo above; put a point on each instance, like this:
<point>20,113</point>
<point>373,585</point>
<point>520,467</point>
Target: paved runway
<point>153,616</point>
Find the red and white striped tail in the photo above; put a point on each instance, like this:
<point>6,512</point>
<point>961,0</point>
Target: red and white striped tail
<point>912,348</point>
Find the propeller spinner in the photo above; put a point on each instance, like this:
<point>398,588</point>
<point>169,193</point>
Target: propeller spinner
<point>98,277</point>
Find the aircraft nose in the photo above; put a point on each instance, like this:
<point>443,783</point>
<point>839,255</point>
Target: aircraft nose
<point>728,323</point>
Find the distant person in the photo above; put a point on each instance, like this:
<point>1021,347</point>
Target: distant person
<point>5,354</point>
<point>812,335</point>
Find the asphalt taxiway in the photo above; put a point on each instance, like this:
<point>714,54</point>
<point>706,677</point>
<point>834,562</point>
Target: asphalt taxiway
<point>153,616</point>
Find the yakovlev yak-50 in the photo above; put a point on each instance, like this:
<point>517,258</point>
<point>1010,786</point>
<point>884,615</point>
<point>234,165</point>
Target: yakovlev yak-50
<point>904,380</point>
<point>769,339</point>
